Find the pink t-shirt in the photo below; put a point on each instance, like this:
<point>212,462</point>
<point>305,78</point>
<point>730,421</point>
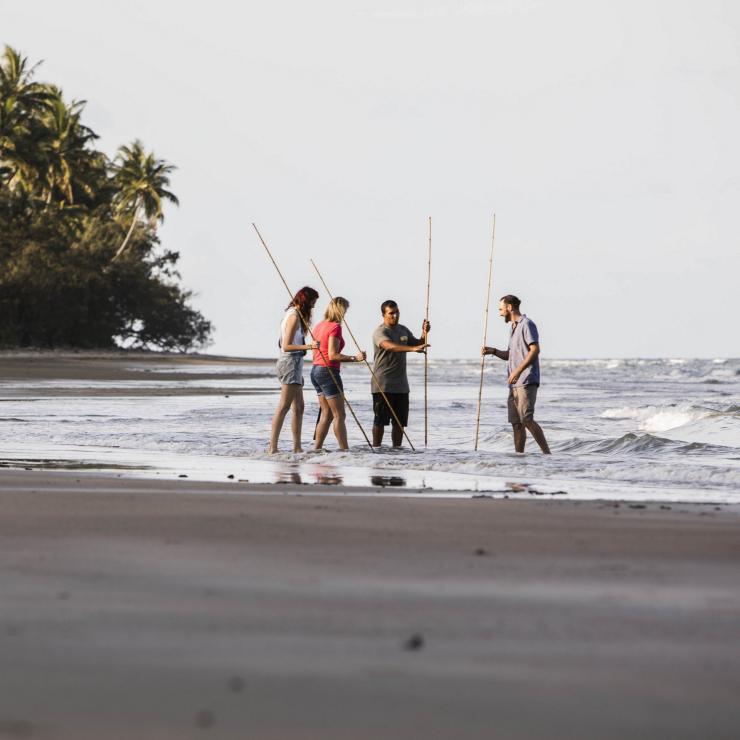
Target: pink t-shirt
<point>321,333</point>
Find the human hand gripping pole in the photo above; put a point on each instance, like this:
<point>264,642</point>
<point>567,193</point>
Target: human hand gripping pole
<point>372,372</point>
<point>485,332</point>
<point>308,328</point>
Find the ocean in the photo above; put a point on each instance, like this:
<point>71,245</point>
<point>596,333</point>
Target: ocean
<point>641,429</point>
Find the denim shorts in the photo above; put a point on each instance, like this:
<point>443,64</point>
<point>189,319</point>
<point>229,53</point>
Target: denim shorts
<point>323,382</point>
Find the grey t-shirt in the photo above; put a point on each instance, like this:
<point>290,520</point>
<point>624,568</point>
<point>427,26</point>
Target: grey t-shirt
<point>390,367</point>
<point>522,335</point>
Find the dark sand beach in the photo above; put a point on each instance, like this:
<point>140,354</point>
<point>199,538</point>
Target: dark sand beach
<point>140,373</point>
<point>176,609</point>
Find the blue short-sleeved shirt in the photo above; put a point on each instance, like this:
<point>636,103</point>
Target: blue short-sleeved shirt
<point>522,335</point>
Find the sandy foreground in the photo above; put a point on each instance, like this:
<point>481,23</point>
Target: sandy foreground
<point>132,608</point>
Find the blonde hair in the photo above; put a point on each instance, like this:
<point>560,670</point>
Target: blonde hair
<point>336,309</point>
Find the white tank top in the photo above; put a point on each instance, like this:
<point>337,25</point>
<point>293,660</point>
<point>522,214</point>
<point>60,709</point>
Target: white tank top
<point>298,335</point>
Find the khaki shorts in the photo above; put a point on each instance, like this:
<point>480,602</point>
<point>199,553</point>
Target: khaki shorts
<point>521,403</point>
<point>290,369</point>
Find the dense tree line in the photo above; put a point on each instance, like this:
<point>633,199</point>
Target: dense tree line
<point>80,261</point>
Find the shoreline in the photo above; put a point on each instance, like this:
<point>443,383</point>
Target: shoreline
<point>65,475</point>
<point>159,609</point>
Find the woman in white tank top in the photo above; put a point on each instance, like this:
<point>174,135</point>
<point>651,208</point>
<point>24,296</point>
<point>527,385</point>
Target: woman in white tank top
<point>293,347</point>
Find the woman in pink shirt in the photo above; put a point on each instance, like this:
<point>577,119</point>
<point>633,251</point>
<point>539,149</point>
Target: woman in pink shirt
<point>325,373</point>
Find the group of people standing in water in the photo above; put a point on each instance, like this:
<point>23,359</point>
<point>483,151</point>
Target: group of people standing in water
<point>390,387</point>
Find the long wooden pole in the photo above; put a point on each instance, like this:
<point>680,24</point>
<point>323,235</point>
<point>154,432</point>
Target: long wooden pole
<point>485,331</point>
<point>321,352</point>
<point>369,367</point>
<point>426,321</point>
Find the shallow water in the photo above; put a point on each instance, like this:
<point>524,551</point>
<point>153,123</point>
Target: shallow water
<point>627,429</point>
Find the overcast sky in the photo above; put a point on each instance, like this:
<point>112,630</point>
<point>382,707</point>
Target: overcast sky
<point>603,134</point>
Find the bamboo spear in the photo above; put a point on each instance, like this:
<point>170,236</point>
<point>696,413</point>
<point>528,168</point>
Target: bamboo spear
<point>426,321</point>
<point>369,367</point>
<point>321,352</point>
<point>485,330</point>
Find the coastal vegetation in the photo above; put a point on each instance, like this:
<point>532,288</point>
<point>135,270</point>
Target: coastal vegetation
<point>81,264</point>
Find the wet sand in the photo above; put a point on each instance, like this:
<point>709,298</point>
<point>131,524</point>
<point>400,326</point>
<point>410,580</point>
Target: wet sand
<point>144,372</point>
<point>154,609</point>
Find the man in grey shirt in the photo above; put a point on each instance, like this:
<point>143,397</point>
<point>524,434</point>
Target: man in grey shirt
<point>391,342</point>
<point>523,366</point>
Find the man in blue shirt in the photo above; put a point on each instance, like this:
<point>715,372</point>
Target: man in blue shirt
<point>523,366</point>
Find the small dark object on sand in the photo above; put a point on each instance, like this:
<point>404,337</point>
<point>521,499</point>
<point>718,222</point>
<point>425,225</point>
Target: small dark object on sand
<point>637,506</point>
<point>415,642</point>
<point>205,718</point>
<point>182,475</point>
<point>481,551</point>
<point>236,683</point>
<point>230,477</point>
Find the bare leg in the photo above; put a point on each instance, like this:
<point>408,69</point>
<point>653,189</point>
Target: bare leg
<point>520,437</point>
<point>322,428</point>
<point>396,434</point>
<point>336,405</point>
<point>539,436</point>
<point>378,435</point>
<point>297,421</point>
<point>288,394</point>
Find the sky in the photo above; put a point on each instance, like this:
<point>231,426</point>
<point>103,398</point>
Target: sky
<point>602,134</point>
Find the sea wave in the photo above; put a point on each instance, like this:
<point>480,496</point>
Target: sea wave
<point>656,419</point>
<point>639,443</point>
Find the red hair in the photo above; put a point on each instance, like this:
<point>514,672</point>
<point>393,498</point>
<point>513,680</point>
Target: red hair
<point>303,300</point>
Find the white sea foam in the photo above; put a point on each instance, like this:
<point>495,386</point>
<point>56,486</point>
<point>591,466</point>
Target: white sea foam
<point>655,418</point>
<point>667,419</point>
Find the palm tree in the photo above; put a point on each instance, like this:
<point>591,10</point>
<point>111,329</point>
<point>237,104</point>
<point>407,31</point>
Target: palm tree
<point>22,101</point>
<point>141,180</point>
<point>65,150</point>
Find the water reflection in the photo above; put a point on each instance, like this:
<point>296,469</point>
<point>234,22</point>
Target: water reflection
<point>285,476</point>
<point>327,476</point>
<point>387,480</point>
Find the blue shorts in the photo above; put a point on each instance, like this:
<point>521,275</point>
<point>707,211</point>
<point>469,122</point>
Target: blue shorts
<point>323,382</point>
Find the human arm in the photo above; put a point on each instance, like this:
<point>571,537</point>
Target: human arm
<point>502,354</point>
<point>534,350</point>
<point>336,356</point>
<point>289,332</point>
<point>395,347</point>
<point>385,339</point>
